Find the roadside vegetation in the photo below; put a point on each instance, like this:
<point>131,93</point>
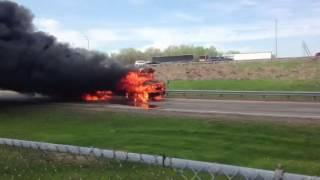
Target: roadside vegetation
<point>32,164</point>
<point>130,55</point>
<point>282,75</point>
<point>307,69</point>
<point>246,85</point>
<point>250,144</point>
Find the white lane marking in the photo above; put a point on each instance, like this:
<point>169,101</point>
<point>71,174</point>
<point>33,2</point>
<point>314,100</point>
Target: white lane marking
<point>242,113</point>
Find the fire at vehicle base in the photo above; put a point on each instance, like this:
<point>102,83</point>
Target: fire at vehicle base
<point>138,86</point>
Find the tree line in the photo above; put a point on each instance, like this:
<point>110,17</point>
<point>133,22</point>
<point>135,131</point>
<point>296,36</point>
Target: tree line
<point>130,55</point>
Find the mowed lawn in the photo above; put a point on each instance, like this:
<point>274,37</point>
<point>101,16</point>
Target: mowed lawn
<point>246,85</point>
<point>251,144</point>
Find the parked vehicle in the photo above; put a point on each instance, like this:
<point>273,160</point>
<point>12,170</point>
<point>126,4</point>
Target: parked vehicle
<point>317,54</point>
<point>140,63</point>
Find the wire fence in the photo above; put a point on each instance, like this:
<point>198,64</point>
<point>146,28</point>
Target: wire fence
<point>36,160</point>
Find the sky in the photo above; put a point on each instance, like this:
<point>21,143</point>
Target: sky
<point>243,25</point>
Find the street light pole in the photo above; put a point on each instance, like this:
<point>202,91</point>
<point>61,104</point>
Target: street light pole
<point>276,37</point>
<point>88,41</point>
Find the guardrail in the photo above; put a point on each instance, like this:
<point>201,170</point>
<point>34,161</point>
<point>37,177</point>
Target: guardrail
<point>196,167</point>
<point>264,94</point>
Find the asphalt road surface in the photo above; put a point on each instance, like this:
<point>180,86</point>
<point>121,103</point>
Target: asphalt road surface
<point>249,108</point>
<point>289,111</point>
<point>207,108</point>
<point>10,96</point>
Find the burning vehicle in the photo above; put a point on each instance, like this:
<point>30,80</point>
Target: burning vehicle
<point>38,63</point>
<point>138,86</point>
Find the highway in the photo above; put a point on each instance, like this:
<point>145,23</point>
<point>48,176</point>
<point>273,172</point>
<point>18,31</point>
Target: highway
<point>281,110</point>
<point>233,109</point>
<point>242,107</point>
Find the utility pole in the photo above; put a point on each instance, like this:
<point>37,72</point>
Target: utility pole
<point>87,38</point>
<point>276,37</point>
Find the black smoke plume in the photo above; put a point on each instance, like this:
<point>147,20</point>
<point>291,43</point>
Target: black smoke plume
<point>33,61</point>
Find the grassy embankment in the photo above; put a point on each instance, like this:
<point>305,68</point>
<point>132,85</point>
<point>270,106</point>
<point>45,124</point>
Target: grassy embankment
<point>246,85</point>
<point>252,144</point>
<point>293,75</point>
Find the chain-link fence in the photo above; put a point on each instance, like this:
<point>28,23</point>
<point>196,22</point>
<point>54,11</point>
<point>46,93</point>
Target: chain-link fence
<point>36,160</point>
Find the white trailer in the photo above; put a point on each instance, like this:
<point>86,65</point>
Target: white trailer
<point>250,56</point>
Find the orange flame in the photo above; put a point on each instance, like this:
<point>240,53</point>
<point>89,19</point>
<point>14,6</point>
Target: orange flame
<point>138,86</point>
<point>98,96</point>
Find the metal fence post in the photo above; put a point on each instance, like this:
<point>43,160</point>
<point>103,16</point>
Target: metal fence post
<point>163,160</point>
<point>279,173</point>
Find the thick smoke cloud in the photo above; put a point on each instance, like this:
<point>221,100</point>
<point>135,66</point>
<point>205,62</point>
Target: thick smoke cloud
<point>32,61</point>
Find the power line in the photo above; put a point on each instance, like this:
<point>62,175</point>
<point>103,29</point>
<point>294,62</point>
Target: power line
<point>306,49</point>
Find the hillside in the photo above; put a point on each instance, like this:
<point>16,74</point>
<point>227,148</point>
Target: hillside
<point>284,69</point>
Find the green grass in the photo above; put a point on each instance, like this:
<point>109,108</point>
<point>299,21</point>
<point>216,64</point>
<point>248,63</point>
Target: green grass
<point>26,164</point>
<point>246,85</point>
<point>279,64</point>
<point>31,164</point>
<point>252,144</point>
